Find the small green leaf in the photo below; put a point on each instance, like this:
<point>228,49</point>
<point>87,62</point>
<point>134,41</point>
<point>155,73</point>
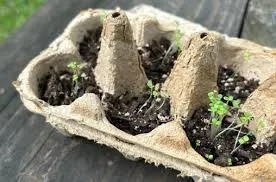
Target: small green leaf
<point>215,122</point>
<point>228,98</point>
<point>149,84</point>
<point>75,77</point>
<point>211,94</point>
<point>72,65</point>
<point>209,156</point>
<point>236,103</point>
<point>229,162</point>
<point>155,94</point>
<point>197,143</point>
<point>245,118</point>
<point>246,56</point>
<point>220,96</point>
<point>212,109</point>
<point>244,139</point>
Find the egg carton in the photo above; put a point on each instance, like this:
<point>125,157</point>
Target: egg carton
<point>193,75</point>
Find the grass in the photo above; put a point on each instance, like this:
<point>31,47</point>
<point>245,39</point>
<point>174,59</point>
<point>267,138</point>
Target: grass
<point>13,13</point>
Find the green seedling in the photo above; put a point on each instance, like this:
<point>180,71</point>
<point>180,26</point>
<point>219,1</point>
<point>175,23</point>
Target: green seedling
<point>228,99</point>
<point>245,118</point>
<point>209,157</point>
<point>218,110</point>
<point>75,67</point>
<point>246,56</point>
<point>154,90</point>
<point>236,103</point>
<point>197,143</point>
<point>244,139</point>
<point>177,42</point>
<point>229,162</point>
<point>178,36</point>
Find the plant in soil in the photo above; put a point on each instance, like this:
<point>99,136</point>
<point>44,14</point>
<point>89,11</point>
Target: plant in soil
<point>75,67</point>
<point>134,115</point>
<point>219,133</point>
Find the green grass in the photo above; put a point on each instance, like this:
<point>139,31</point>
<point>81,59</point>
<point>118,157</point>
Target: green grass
<point>13,13</point>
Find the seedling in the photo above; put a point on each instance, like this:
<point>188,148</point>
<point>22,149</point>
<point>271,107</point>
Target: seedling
<point>246,56</point>
<point>218,110</point>
<point>229,162</point>
<point>177,42</point>
<point>236,103</point>
<point>76,69</point>
<point>209,157</point>
<point>243,140</point>
<point>154,90</point>
<point>178,36</point>
<point>197,142</point>
<point>245,118</point>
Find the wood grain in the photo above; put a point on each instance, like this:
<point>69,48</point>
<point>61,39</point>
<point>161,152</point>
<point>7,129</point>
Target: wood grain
<point>260,22</point>
<point>30,149</point>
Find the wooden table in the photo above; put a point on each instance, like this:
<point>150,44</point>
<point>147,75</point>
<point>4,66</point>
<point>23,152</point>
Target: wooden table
<point>30,149</point>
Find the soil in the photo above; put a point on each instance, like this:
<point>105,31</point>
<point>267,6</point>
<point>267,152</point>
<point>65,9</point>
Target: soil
<point>157,60</point>
<point>199,127</point>
<point>134,116</point>
<point>231,83</point>
<point>58,88</point>
<point>90,46</point>
<point>139,115</point>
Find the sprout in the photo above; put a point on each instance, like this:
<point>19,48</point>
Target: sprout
<point>76,68</point>
<point>245,118</point>
<point>209,157</point>
<point>244,139</point>
<point>229,162</point>
<point>246,56</point>
<point>154,90</point>
<point>197,143</point>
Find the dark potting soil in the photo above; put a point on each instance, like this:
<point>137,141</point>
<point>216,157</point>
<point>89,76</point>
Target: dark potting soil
<point>138,115</point>
<point>135,115</point>
<point>231,83</point>
<point>58,88</point>
<point>198,128</point>
<point>90,46</point>
<point>157,60</point>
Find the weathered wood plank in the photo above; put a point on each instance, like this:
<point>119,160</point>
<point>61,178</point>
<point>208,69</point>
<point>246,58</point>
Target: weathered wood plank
<point>260,22</point>
<point>30,149</point>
